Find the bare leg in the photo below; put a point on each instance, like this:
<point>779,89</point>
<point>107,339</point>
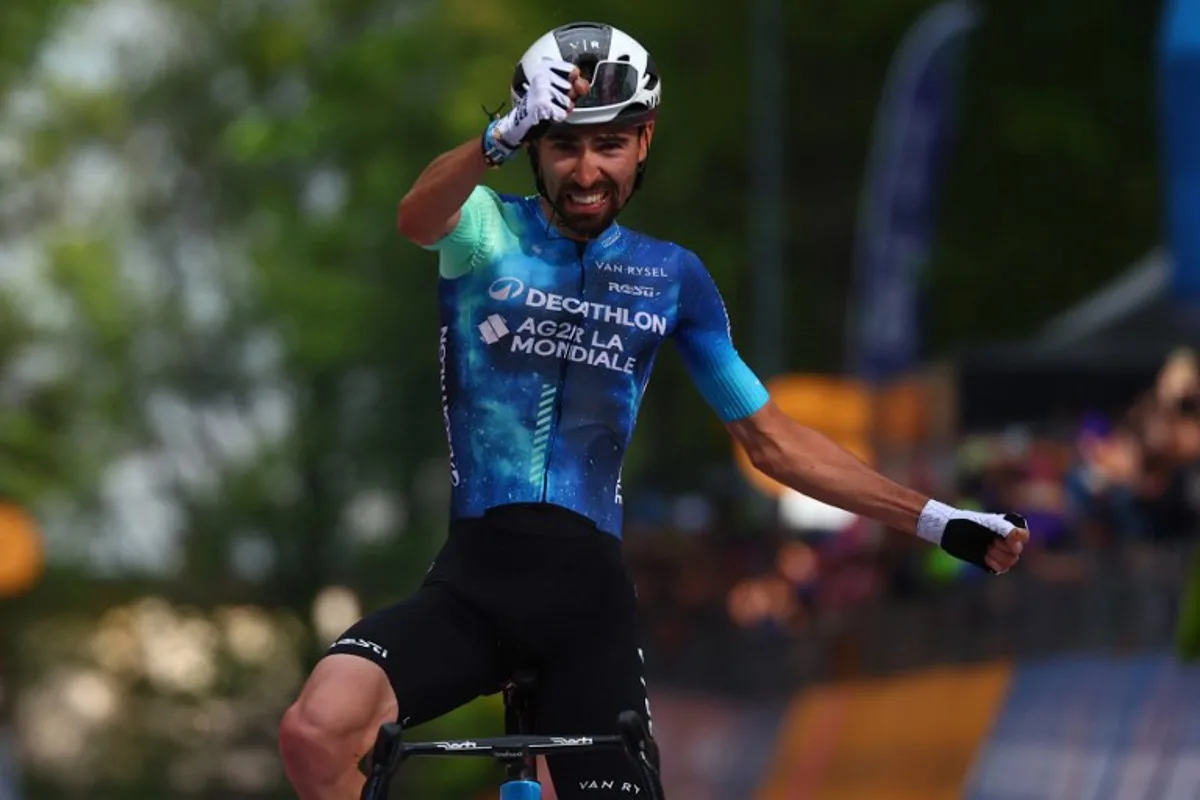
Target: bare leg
<point>333,725</point>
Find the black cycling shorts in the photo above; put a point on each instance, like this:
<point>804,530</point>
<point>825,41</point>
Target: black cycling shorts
<point>525,586</point>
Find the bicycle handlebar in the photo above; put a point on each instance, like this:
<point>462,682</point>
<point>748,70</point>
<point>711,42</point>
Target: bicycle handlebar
<point>391,751</point>
<point>505,747</point>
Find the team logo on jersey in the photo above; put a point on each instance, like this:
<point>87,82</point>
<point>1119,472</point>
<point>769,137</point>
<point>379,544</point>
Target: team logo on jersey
<point>506,289</point>
<point>493,329</point>
<point>633,289</point>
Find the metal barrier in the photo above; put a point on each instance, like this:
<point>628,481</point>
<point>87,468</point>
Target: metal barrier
<point>1117,601</point>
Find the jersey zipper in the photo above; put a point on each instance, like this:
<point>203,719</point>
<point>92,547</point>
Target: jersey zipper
<point>580,249</point>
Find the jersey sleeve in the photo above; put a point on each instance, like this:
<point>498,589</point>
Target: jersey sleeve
<point>704,340</point>
<point>478,232</point>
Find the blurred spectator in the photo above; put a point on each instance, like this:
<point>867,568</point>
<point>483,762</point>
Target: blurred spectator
<point>1086,486</point>
<point>1101,488</point>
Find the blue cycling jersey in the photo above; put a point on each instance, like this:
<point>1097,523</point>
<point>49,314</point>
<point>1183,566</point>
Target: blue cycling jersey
<point>546,348</point>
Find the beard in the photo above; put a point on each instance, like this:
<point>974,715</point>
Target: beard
<point>587,218</point>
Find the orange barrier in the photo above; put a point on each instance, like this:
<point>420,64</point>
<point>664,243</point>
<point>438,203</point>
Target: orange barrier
<point>911,737</point>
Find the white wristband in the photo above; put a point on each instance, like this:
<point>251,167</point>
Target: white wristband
<point>932,522</point>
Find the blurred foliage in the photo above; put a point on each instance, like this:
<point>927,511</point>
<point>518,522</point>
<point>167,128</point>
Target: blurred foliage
<point>209,327</point>
<point>150,698</point>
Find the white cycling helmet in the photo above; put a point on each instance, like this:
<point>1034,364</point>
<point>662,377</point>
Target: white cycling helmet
<point>625,81</point>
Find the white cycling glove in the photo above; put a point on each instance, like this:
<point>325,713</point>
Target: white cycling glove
<point>966,535</point>
<point>547,99</point>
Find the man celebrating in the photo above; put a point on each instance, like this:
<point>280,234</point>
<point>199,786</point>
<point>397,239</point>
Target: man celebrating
<point>551,316</point>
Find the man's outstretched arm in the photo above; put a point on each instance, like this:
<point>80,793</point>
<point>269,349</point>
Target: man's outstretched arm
<point>814,465</point>
<point>807,461</point>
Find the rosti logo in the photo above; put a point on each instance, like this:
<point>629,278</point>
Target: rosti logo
<point>506,289</point>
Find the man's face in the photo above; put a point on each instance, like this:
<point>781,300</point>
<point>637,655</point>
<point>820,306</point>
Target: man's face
<point>589,172</point>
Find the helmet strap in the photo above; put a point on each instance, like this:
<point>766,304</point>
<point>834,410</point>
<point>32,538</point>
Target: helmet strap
<point>641,167</point>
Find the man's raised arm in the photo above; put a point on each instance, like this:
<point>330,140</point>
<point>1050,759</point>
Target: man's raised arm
<point>430,210</point>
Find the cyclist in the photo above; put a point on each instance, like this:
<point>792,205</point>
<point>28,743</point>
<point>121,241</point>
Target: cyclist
<point>551,315</point>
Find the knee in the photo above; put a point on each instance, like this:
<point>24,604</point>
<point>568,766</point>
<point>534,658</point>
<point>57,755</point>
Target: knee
<point>305,731</point>
<point>336,718</point>
<point>314,743</point>
<point>319,744</point>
